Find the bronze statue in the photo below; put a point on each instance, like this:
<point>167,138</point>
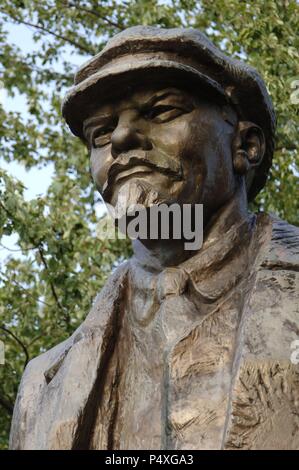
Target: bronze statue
<point>182,349</point>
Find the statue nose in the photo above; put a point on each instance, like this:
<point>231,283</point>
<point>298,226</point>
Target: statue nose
<point>126,138</point>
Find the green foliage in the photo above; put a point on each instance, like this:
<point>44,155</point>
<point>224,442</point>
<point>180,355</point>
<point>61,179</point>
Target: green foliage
<point>46,288</point>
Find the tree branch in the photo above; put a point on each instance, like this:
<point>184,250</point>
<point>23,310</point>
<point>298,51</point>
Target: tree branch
<point>96,14</point>
<point>17,249</point>
<point>52,287</point>
<point>48,31</point>
<point>10,333</point>
<point>6,405</point>
<point>35,339</point>
<point>35,297</point>
<point>44,261</point>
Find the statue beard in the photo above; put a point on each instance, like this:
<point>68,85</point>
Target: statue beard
<point>136,194</point>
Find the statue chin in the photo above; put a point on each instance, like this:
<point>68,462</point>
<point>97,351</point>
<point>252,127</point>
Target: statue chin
<point>133,193</point>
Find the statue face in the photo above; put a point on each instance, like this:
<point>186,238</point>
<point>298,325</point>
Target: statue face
<point>163,144</point>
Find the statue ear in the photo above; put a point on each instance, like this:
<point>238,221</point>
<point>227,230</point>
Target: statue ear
<point>248,147</point>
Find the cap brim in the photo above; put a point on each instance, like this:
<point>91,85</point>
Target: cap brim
<point>111,81</point>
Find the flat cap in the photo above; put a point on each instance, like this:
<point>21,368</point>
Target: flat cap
<point>179,54</point>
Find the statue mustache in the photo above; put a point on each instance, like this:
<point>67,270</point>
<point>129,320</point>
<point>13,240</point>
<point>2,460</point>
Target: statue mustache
<point>159,162</point>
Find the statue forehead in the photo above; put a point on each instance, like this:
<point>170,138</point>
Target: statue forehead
<point>142,95</point>
<point>146,95</point>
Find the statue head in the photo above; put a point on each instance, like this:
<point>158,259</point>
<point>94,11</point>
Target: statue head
<point>167,117</point>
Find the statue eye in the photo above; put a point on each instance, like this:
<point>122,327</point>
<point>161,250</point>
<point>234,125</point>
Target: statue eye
<point>102,136</point>
<point>163,113</point>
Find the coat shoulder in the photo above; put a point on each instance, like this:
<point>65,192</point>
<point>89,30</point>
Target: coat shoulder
<point>284,248</point>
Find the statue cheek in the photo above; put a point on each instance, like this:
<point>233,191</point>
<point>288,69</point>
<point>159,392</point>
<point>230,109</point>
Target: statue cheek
<point>171,137</point>
<point>100,163</point>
